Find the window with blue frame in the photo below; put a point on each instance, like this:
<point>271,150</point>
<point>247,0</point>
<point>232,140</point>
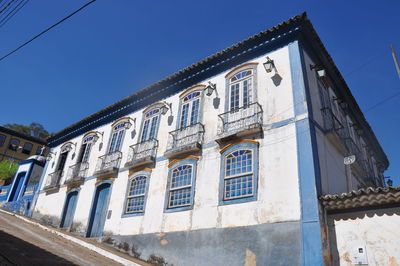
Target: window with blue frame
<point>190,109</point>
<point>150,125</point>
<point>239,173</point>
<point>180,188</point>
<point>117,138</point>
<point>136,195</point>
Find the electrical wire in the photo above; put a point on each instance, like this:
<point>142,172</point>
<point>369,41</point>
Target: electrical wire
<point>12,13</point>
<point>9,3</point>
<point>382,101</point>
<point>46,30</point>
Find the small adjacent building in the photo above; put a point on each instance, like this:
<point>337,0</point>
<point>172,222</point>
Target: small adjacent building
<point>16,146</point>
<point>223,162</point>
<point>20,194</point>
<point>363,226</point>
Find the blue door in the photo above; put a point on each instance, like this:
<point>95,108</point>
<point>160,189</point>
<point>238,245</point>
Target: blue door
<point>19,180</point>
<point>99,211</point>
<point>69,209</point>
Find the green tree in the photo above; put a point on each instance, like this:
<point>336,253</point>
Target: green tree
<point>7,169</point>
<point>34,129</point>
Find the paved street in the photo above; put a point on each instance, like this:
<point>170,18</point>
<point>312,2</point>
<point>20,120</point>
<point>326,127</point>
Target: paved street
<point>24,244</point>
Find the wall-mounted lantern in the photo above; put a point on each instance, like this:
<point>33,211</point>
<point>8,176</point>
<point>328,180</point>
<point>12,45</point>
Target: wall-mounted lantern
<point>270,65</point>
<point>164,109</point>
<point>210,88</point>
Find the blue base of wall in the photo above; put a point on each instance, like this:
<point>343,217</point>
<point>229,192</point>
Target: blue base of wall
<point>266,244</point>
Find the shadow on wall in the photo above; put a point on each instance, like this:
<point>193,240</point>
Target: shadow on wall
<point>15,251</point>
<point>352,215</point>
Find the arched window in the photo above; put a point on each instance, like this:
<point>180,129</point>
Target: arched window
<point>27,149</point>
<point>239,181</point>
<point>86,148</point>
<point>190,109</point>
<point>241,86</point>
<point>239,172</point>
<point>180,187</point>
<point>117,136</point>
<point>150,124</point>
<point>137,193</point>
<point>241,89</point>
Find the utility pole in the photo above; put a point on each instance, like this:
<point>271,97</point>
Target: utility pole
<point>395,60</point>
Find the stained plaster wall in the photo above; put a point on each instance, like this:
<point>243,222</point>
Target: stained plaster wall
<point>278,193</point>
<point>377,231</point>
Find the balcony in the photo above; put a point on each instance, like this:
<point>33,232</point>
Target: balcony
<point>108,164</point>
<point>76,173</point>
<point>53,180</point>
<point>188,139</point>
<point>332,124</point>
<point>240,122</point>
<point>142,153</point>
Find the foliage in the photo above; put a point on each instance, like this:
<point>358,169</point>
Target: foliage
<point>34,129</point>
<point>7,169</point>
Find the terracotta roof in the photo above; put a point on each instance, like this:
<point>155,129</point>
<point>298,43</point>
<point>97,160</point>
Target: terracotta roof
<point>367,197</point>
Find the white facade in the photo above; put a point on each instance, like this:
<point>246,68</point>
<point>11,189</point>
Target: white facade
<point>278,193</point>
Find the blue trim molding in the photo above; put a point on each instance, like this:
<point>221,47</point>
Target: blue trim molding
<point>249,146</point>
<point>193,163</point>
<point>311,242</point>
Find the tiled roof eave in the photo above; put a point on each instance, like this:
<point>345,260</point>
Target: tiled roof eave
<point>369,197</point>
<point>54,138</point>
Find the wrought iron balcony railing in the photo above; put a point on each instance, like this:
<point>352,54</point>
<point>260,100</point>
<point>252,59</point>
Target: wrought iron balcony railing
<point>76,173</point>
<point>333,124</point>
<point>142,153</point>
<point>185,140</point>
<point>108,163</point>
<point>242,121</point>
<point>53,180</point>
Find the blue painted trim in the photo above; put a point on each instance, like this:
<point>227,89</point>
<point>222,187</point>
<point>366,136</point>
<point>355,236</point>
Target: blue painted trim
<point>311,241</point>
<point>148,179</point>
<point>254,148</point>
<point>4,197</point>
<point>282,123</point>
<point>26,179</point>
<point>86,234</point>
<point>193,163</point>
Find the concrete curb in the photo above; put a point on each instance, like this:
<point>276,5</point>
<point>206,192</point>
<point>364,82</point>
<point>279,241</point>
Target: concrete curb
<point>78,241</point>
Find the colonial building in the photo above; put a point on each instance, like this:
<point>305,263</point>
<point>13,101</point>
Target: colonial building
<point>221,163</point>
<point>16,146</point>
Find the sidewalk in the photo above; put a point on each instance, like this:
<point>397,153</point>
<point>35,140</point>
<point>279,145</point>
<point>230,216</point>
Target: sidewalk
<point>25,241</point>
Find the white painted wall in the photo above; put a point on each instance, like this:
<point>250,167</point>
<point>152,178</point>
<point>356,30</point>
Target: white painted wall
<point>377,231</point>
<point>278,191</point>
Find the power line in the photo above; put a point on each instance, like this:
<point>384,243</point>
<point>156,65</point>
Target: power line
<point>12,13</point>
<point>383,101</point>
<point>9,3</point>
<point>46,30</point>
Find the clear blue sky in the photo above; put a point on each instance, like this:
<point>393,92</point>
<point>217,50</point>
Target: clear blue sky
<point>114,48</point>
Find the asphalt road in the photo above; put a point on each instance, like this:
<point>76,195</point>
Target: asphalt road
<point>22,243</point>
